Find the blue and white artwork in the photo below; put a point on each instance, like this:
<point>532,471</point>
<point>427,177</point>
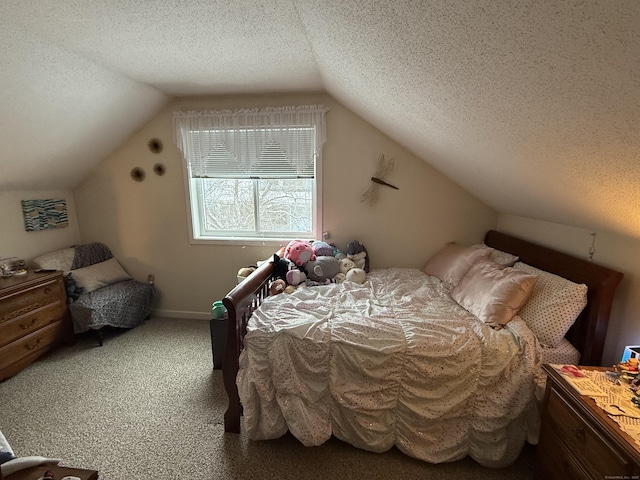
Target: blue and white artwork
<point>45,214</point>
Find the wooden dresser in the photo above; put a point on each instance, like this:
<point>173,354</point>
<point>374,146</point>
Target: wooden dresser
<point>578,439</point>
<point>33,319</point>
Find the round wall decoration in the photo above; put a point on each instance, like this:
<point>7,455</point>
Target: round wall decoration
<point>155,145</point>
<point>159,169</point>
<point>137,174</point>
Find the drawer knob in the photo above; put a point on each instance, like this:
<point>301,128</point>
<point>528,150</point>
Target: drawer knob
<point>579,433</point>
<point>33,345</point>
<point>47,289</point>
<point>26,326</point>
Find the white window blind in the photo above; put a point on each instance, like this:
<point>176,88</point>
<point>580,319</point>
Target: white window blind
<point>281,142</point>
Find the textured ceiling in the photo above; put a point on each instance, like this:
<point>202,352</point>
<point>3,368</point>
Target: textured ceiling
<point>531,105</point>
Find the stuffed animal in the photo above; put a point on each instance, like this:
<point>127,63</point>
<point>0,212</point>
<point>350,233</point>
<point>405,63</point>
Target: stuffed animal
<point>337,253</point>
<point>281,266</point>
<point>313,283</point>
<point>322,268</point>
<point>357,252</point>
<point>340,277</point>
<point>245,271</point>
<point>277,286</point>
<point>346,264</point>
<point>299,252</point>
<point>73,289</point>
<point>357,275</point>
<point>322,249</point>
<point>359,259</point>
<point>295,277</point>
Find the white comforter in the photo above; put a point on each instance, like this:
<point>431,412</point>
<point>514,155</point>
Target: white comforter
<point>395,361</point>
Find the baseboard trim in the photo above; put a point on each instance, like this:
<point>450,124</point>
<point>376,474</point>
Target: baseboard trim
<point>182,314</point>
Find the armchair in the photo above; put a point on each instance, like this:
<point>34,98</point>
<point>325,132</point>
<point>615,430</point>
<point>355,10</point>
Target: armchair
<point>99,291</point>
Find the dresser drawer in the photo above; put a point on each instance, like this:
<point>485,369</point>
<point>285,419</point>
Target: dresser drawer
<point>555,461</point>
<point>590,448</point>
<point>31,345</point>
<point>30,322</point>
<point>20,303</point>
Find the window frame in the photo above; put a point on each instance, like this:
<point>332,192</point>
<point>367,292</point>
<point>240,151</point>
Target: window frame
<point>194,215</point>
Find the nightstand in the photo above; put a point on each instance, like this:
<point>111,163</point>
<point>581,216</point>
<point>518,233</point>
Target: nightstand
<point>578,439</point>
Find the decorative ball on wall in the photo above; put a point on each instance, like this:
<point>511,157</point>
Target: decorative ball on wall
<point>159,169</point>
<point>155,145</point>
<point>137,174</point>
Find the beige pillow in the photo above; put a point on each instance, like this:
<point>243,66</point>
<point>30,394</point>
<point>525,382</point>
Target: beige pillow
<point>453,261</point>
<point>99,275</point>
<point>554,305</point>
<point>494,293</point>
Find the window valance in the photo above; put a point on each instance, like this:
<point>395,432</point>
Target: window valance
<point>270,142</point>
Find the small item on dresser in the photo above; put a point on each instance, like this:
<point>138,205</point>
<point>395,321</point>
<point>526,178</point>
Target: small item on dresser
<point>631,366</point>
<point>572,371</point>
<point>48,475</point>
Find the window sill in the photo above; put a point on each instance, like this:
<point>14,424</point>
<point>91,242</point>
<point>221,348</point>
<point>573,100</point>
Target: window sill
<point>248,242</point>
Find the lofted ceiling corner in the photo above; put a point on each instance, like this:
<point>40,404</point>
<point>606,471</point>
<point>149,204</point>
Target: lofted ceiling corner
<point>62,113</point>
<point>532,106</point>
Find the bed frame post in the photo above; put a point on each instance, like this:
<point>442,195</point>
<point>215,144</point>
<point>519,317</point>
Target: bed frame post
<point>230,365</point>
<point>240,304</point>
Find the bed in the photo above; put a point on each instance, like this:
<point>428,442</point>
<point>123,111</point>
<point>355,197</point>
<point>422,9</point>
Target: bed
<point>397,361</point>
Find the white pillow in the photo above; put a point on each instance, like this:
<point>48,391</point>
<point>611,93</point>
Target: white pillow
<point>58,260</point>
<point>494,293</point>
<point>553,306</point>
<point>453,261</point>
<point>502,258</point>
<point>99,275</point>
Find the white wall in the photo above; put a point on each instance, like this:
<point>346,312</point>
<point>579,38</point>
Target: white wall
<point>145,223</point>
<point>614,251</point>
<point>15,241</point>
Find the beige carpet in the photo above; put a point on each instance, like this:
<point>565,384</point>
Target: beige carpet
<point>147,405</point>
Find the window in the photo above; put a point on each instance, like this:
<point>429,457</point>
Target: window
<point>253,175</point>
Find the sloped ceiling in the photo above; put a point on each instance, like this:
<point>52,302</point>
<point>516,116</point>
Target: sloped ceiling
<point>531,105</point>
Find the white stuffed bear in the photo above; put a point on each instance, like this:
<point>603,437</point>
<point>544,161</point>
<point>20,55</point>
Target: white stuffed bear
<point>357,275</point>
<point>359,259</point>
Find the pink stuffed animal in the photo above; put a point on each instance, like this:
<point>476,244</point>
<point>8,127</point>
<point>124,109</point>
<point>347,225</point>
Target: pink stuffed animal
<point>299,252</point>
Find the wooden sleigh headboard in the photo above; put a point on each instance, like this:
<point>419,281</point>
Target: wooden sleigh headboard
<point>589,331</point>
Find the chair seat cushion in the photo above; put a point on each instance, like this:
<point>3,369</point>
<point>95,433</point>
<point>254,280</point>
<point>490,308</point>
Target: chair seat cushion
<point>123,304</point>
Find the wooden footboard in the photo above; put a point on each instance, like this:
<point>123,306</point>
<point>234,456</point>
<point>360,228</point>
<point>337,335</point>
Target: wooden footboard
<point>240,304</point>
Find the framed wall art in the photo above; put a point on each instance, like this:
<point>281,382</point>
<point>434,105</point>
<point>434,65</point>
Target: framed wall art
<point>44,214</point>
